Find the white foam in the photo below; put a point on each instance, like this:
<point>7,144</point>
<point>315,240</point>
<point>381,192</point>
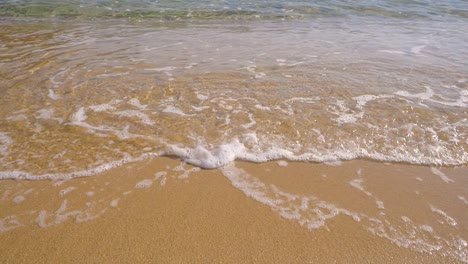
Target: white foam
<point>201,108</point>
<point>102,107</point>
<point>5,142</point>
<point>161,175</point>
<point>135,102</point>
<point>20,117</point>
<point>252,122</point>
<point>53,78</point>
<point>202,157</point>
<point>357,183</point>
<point>66,190</point>
<point>174,110</point>
<point>89,193</point>
<point>426,228</point>
<point>406,219</point>
<point>399,52</point>
<point>47,114</point>
<point>463,199</point>
<point>380,204</point>
<point>114,74</point>
<point>429,93</point>
<point>251,68</point>
<point>79,116</point>
<point>135,113</point>
<point>162,69</point>
<point>144,184</point>
<point>201,97</point>
<point>52,95</point>
<point>442,175</point>
<point>283,163</point>
<point>46,219</point>
<point>261,107</point>
<point>260,75</point>
<point>308,211</point>
<point>62,177</point>
<point>190,65</point>
<point>185,173</point>
<point>8,223</point>
<point>362,100</point>
<point>448,219</point>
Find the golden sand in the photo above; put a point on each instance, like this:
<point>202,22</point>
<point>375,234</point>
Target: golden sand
<point>202,218</point>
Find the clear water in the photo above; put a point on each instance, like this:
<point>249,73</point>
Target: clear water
<point>86,86</point>
<point>79,94</point>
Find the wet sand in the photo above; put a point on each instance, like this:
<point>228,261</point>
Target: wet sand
<point>199,216</point>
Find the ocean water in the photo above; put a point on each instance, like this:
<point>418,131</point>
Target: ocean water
<point>81,94</point>
<point>86,86</point>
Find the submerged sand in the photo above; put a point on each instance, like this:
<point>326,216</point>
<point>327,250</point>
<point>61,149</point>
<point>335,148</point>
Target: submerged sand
<point>166,212</point>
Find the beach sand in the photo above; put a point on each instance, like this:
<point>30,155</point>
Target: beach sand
<point>186,215</point>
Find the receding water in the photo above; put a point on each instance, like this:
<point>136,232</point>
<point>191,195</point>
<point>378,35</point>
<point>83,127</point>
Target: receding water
<point>86,86</point>
<point>77,95</point>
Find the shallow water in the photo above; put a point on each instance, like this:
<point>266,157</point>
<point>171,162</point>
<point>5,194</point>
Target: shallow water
<point>91,85</point>
<point>78,95</point>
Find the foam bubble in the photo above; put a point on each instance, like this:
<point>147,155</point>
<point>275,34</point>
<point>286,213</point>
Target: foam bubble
<point>144,184</point>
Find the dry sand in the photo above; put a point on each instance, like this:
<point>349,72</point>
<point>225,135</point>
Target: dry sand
<point>203,218</point>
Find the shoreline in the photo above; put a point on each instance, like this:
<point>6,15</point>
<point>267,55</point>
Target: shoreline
<point>165,211</point>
